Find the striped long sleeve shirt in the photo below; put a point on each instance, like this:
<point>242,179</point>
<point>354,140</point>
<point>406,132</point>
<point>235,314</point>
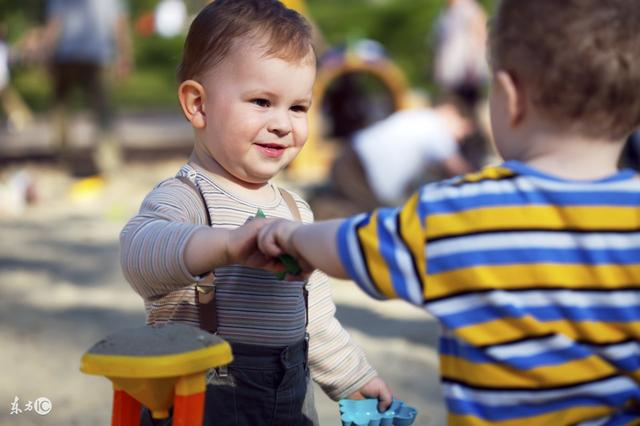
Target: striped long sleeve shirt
<point>536,283</point>
<point>253,306</point>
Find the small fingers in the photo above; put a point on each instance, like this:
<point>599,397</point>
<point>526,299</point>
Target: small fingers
<point>356,395</point>
<point>384,401</point>
<point>385,397</point>
<point>267,243</point>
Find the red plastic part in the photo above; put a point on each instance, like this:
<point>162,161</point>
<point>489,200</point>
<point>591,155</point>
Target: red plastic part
<point>126,409</point>
<point>188,410</point>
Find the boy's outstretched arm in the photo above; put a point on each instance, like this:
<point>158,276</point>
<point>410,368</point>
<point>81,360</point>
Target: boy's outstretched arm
<point>383,252</point>
<point>313,245</point>
<point>209,248</point>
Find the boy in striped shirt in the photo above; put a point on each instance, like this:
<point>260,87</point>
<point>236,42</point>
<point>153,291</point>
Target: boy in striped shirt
<point>533,266</point>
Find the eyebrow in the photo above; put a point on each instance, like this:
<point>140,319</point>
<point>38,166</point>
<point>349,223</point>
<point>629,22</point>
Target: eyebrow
<point>306,100</point>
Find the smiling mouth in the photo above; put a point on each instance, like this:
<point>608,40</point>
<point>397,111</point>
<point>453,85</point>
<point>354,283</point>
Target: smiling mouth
<point>271,149</point>
<point>271,145</point>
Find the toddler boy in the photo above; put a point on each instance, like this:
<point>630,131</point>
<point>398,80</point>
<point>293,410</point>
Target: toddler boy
<point>245,86</point>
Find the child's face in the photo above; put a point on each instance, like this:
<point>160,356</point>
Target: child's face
<point>256,112</point>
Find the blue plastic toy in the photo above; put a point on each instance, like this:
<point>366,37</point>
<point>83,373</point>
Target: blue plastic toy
<point>364,412</point>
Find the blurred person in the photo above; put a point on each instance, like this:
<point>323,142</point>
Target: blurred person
<point>17,191</point>
<point>246,80</point>
<point>82,38</point>
<point>355,99</point>
<point>532,266</point>
<point>18,113</point>
<point>386,161</point>
<point>460,65</point>
<point>4,58</point>
<point>347,106</point>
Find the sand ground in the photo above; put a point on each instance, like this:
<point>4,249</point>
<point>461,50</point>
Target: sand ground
<point>61,290</point>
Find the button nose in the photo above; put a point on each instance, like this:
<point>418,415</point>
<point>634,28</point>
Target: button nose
<point>280,124</point>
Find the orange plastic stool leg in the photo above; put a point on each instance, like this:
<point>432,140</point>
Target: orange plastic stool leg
<point>126,409</point>
<point>188,402</point>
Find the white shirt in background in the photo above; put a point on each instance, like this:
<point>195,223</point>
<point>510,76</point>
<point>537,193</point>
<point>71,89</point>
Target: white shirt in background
<point>400,148</point>
<point>4,65</point>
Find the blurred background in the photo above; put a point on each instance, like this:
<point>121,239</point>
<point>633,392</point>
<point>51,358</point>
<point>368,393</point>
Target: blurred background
<point>88,126</point>
<point>404,27</point>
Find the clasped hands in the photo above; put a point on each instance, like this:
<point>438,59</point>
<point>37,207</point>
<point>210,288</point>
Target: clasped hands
<point>259,242</point>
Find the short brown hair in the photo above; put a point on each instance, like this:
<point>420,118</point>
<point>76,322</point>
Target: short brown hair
<point>223,22</point>
<point>579,60</point>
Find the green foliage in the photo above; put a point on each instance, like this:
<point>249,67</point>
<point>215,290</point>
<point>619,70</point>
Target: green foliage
<point>137,7</point>
<point>17,20</point>
<point>34,85</point>
<point>153,84</point>
<point>147,89</point>
<point>404,27</point>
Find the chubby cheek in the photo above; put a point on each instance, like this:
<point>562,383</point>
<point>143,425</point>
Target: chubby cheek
<point>300,132</point>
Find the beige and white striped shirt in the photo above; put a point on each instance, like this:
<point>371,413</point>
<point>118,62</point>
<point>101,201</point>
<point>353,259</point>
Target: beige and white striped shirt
<point>253,306</point>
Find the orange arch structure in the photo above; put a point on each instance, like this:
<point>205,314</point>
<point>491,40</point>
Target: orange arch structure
<point>314,161</point>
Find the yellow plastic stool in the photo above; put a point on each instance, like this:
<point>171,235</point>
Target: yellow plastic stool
<point>157,366</point>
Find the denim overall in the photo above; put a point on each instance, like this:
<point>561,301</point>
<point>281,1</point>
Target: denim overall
<point>262,386</point>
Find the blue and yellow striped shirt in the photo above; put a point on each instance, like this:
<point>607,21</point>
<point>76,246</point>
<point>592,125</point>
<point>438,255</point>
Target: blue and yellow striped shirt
<point>536,282</point>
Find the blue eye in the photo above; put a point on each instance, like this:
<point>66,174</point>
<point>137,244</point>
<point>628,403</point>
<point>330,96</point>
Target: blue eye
<point>261,102</point>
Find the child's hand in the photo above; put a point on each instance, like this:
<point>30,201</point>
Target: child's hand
<point>275,239</point>
<point>375,388</point>
<point>242,246</point>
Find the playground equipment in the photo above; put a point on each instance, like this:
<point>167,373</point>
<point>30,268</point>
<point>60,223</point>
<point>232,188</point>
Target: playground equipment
<point>358,57</point>
<point>157,367</point>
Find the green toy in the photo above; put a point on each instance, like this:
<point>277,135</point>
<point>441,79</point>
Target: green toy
<point>290,264</point>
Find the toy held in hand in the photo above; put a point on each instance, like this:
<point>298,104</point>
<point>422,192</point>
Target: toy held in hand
<point>290,264</point>
<point>364,412</point>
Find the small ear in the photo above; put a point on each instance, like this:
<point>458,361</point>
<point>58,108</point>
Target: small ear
<point>514,95</point>
<point>192,100</point>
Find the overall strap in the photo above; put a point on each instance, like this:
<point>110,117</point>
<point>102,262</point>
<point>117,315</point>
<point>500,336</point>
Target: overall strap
<point>205,291</point>
<point>295,211</point>
<point>291,203</point>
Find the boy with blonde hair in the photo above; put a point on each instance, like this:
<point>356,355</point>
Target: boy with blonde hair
<point>533,266</point>
<point>245,85</point>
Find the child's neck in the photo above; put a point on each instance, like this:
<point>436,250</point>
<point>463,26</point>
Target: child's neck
<point>257,193</point>
<point>568,155</point>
